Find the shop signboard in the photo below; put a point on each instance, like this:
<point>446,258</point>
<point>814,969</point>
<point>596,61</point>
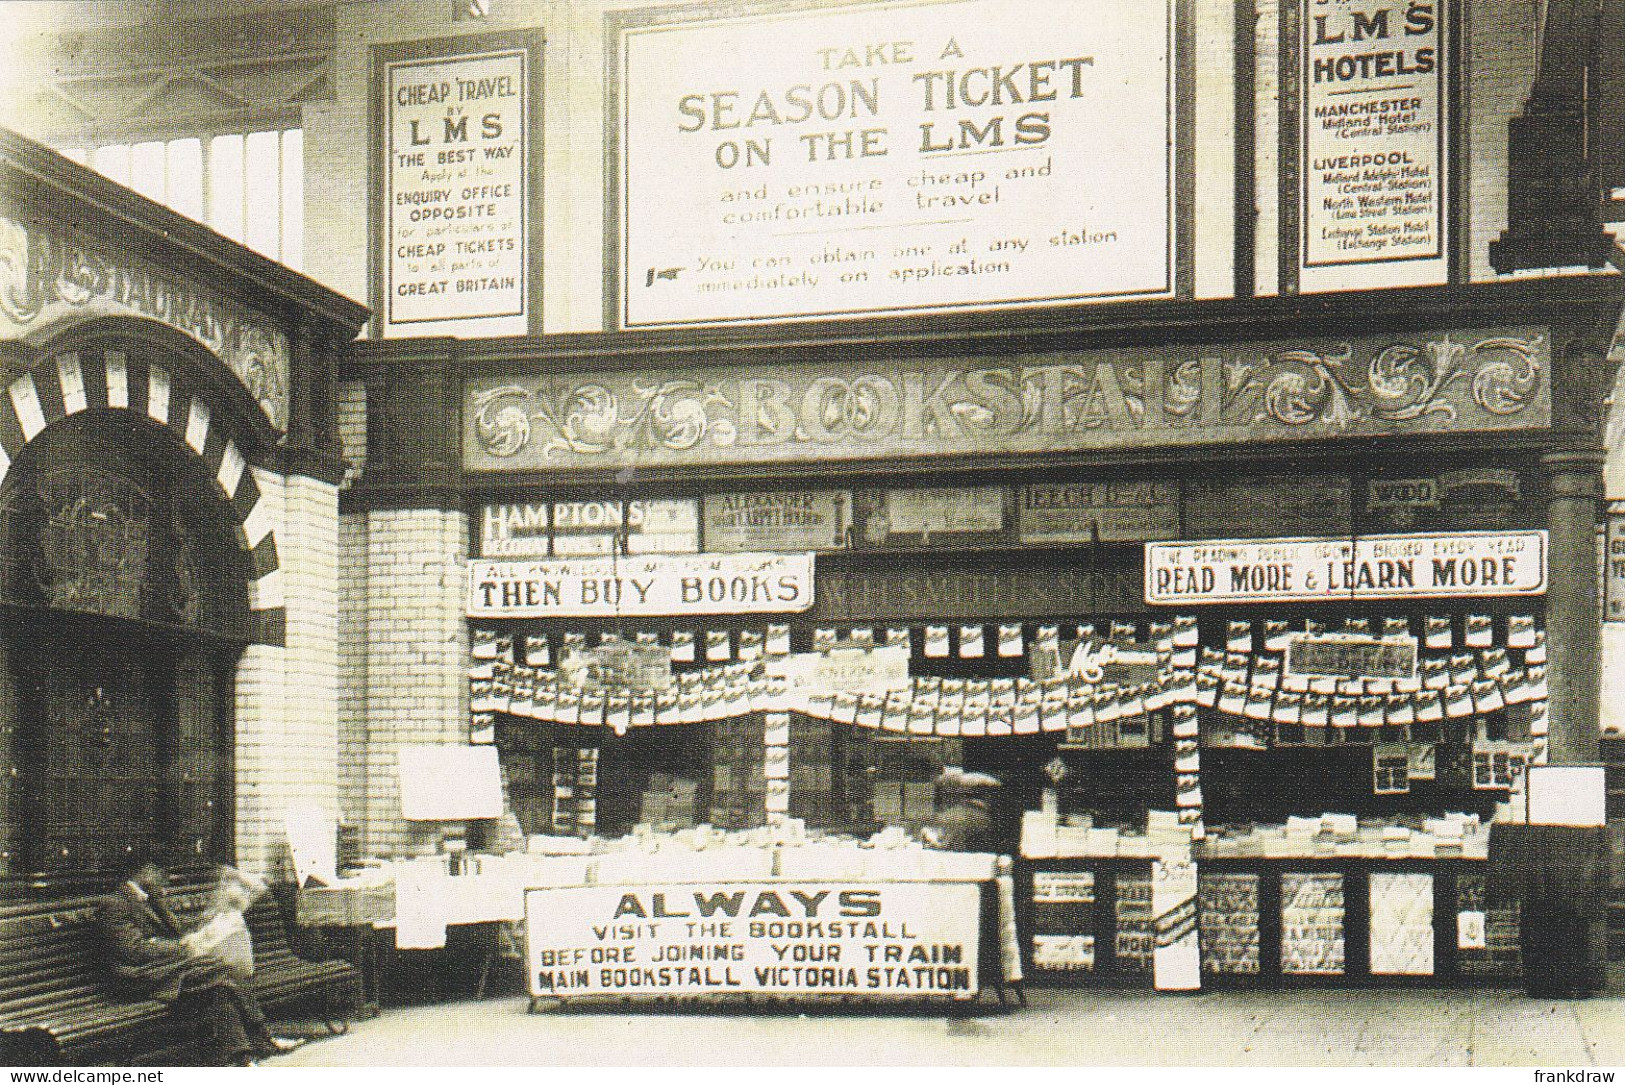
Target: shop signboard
<point>649,526</point>
<point>1402,493</point>
<point>1463,564</point>
<point>1351,655</point>
<point>843,670</point>
<point>917,515</point>
<point>785,520</point>
<point>1065,512</point>
<point>1373,116</point>
<point>894,158</point>
<point>455,157</point>
<point>514,530</point>
<point>987,592</point>
<point>891,940</point>
<point>50,276</point>
<point>1169,396</point>
<point>1614,565</point>
<point>670,584</point>
<point>1268,505</point>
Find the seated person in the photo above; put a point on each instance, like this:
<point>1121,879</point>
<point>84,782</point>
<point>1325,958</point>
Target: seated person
<point>148,958</point>
<point>221,931</point>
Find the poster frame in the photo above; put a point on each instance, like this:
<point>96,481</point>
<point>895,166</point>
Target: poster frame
<point>450,49</point>
<point>1181,167</point>
<point>1291,150</point>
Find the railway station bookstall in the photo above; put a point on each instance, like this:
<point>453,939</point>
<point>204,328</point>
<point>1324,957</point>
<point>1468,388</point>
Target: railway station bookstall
<point>1154,450</point>
<point>1260,610</point>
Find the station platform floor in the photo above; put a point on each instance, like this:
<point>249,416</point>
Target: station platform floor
<point>1412,1027</point>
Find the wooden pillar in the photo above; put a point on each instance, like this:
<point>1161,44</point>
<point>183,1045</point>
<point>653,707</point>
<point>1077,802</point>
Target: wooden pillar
<point>1573,630</point>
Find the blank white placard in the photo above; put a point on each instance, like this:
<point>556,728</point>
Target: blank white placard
<point>450,783</point>
<point>1567,795</point>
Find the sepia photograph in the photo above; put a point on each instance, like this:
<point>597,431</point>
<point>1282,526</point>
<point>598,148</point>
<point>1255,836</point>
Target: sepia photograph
<point>812,534</point>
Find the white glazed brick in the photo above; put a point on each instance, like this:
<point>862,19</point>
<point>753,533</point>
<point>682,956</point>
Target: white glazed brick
<point>71,375</point>
<point>231,469</point>
<point>158,394</point>
<point>266,593</point>
<point>415,647</point>
<point>288,748</point>
<point>197,425</point>
<point>25,399</point>
<point>118,380</point>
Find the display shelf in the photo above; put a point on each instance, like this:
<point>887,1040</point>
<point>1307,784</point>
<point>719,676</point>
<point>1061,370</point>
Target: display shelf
<point>1277,922</point>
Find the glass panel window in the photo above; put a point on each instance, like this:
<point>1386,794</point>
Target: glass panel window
<point>147,170</point>
<point>262,190</point>
<point>248,187</point>
<point>184,173</point>
<point>293,198</point>
<point>225,168</point>
<point>113,162</point>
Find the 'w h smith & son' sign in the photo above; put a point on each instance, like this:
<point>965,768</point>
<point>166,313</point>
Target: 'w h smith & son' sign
<point>1437,382</point>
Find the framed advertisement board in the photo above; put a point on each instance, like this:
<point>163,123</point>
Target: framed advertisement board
<point>455,220</point>
<point>1446,565</point>
<point>883,940</point>
<point>891,158</point>
<point>1370,171</point>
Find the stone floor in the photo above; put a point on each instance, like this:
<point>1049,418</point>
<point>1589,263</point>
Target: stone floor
<point>1409,1027</point>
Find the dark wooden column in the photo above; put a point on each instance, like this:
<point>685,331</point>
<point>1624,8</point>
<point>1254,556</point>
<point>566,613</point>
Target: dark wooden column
<point>1573,629</point>
<point>414,457</point>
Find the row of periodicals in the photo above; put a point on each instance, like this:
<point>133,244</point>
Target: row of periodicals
<point>1310,925</point>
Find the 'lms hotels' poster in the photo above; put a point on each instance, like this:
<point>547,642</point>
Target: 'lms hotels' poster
<point>1374,161</point>
<point>919,156</point>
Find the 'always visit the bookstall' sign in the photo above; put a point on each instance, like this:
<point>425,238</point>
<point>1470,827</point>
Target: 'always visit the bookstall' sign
<point>1459,564</point>
<point>911,940</point>
<point>641,586</point>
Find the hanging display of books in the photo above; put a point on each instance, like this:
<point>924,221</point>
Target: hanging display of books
<point>1136,939</point>
<point>1312,924</point>
<point>1229,923</point>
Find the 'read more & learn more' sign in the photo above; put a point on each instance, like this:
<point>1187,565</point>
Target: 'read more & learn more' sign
<point>895,158</point>
<point>910,940</point>
<point>1465,564</point>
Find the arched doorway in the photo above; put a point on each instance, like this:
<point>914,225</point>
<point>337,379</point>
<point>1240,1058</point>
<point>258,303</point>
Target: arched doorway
<point>124,599</point>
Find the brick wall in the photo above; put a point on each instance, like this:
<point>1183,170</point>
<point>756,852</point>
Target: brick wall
<point>350,412</point>
<point>287,697</point>
<point>352,656</point>
<point>416,656</point>
<point>1501,38</point>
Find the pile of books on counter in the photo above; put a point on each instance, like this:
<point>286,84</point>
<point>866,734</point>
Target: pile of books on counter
<point>1044,835</point>
<point>1329,836</point>
<point>1343,836</point>
<point>785,849</point>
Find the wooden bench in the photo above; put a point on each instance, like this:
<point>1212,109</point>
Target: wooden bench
<point>58,1004</point>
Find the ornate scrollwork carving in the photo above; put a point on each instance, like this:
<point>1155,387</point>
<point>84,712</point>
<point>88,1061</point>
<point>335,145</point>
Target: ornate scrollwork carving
<point>501,424</point>
<point>1507,382</point>
<point>1308,390</point>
